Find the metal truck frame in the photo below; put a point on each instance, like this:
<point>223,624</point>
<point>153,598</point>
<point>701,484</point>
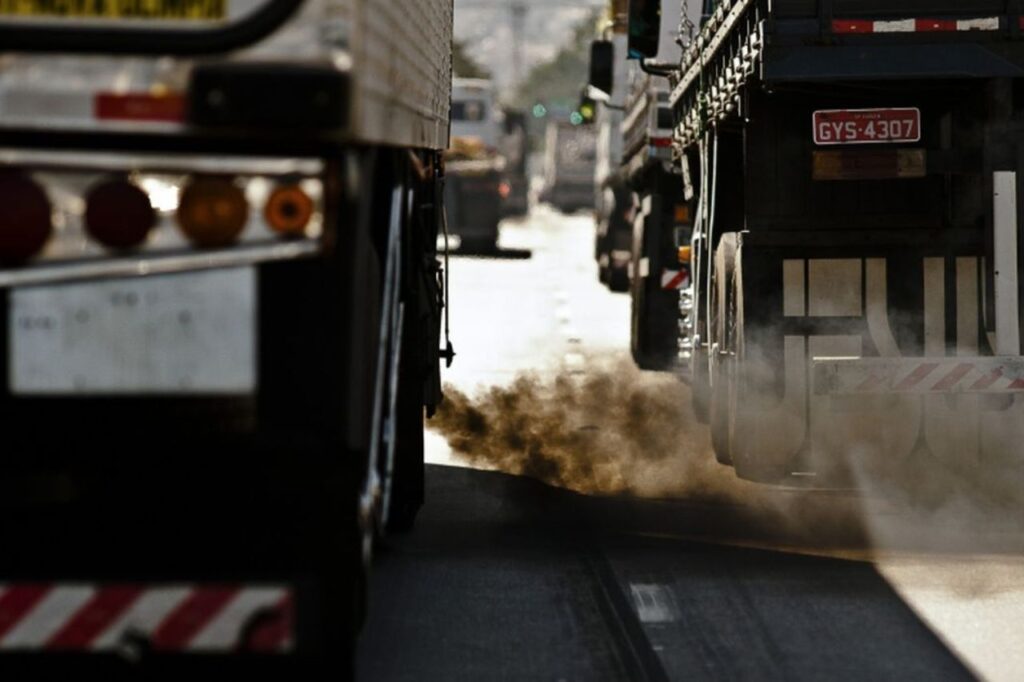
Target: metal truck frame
<point>855,174</point>
<point>158,526</point>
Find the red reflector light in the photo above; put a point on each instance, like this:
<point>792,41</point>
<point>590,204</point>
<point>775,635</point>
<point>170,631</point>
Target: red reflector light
<point>118,214</point>
<point>213,211</point>
<point>139,107</point>
<point>844,26</point>
<point>26,219</point>
<point>661,142</point>
<point>932,25</point>
<point>288,211</point>
<point>504,189</point>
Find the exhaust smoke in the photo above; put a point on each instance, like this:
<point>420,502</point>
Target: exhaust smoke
<point>616,431</point>
<point>610,430</point>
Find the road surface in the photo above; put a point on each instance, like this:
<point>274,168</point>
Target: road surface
<point>667,567</point>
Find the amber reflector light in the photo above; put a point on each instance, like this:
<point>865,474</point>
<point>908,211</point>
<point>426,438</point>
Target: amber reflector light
<point>25,219</point>
<point>118,214</point>
<point>288,210</point>
<point>212,211</point>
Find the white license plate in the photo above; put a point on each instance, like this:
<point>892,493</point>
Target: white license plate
<point>177,334</point>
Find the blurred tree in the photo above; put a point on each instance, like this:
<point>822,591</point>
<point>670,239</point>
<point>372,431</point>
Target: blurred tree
<point>556,84</point>
<point>465,66</point>
<point>551,90</point>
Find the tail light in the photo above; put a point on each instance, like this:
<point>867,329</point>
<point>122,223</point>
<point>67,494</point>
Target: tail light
<point>682,214</point>
<point>26,219</point>
<point>504,189</point>
<point>118,214</point>
<point>288,210</point>
<point>212,211</point>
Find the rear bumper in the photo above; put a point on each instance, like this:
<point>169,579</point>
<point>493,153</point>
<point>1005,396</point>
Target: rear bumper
<point>918,376</point>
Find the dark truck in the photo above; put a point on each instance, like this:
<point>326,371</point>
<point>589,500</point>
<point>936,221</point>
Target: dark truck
<point>475,167</point>
<point>515,179</point>
<point>221,306</point>
<point>853,169</point>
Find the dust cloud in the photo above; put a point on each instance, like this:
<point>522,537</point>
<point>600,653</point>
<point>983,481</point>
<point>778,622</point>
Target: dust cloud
<point>612,430</point>
<point>609,430</point>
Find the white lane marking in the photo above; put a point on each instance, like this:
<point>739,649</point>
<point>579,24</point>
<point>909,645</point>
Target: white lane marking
<point>223,631</point>
<point>49,615</point>
<point>143,616</point>
<point>653,603</point>
<point>575,360</point>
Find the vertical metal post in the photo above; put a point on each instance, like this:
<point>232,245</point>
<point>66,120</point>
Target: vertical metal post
<point>1007,284</point>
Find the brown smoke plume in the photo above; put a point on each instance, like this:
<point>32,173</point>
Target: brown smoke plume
<point>612,429</point>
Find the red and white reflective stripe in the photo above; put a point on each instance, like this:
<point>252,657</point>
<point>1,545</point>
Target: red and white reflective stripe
<point>675,279</point>
<point>173,618</point>
<point>919,376</point>
<point>916,25</point>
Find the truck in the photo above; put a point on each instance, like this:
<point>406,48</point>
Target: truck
<point>515,147</point>
<point>853,169</point>
<point>661,216</point>
<point>221,301</point>
<point>613,201</point>
<point>569,159</point>
<point>475,166</point>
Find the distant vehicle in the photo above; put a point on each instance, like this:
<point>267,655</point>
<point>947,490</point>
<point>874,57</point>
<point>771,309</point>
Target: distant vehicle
<point>515,147</point>
<point>221,305</point>
<point>660,214</point>
<point>613,199</point>
<point>569,158</point>
<point>475,167</point>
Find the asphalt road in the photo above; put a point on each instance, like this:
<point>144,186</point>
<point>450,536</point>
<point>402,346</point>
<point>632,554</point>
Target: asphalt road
<point>668,567</point>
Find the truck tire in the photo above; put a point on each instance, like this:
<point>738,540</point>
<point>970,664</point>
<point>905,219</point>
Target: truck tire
<point>722,351</point>
<point>407,477</point>
<point>618,279</point>
<point>751,461</point>
<point>654,311</point>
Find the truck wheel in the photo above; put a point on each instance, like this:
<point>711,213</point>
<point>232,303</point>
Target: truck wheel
<point>722,350</point>
<point>618,279</point>
<point>654,328</point>
<point>699,389</point>
<point>751,458</point>
<point>407,478</point>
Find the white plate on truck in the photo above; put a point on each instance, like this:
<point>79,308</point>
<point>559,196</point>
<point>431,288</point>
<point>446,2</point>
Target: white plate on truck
<point>867,126</point>
<point>178,334</point>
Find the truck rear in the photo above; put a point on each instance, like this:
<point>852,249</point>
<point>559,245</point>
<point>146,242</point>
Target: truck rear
<point>613,201</point>
<point>221,307</point>
<point>661,215</point>
<point>854,169</point>
<point>569,159</point>
<point>475,166</point>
